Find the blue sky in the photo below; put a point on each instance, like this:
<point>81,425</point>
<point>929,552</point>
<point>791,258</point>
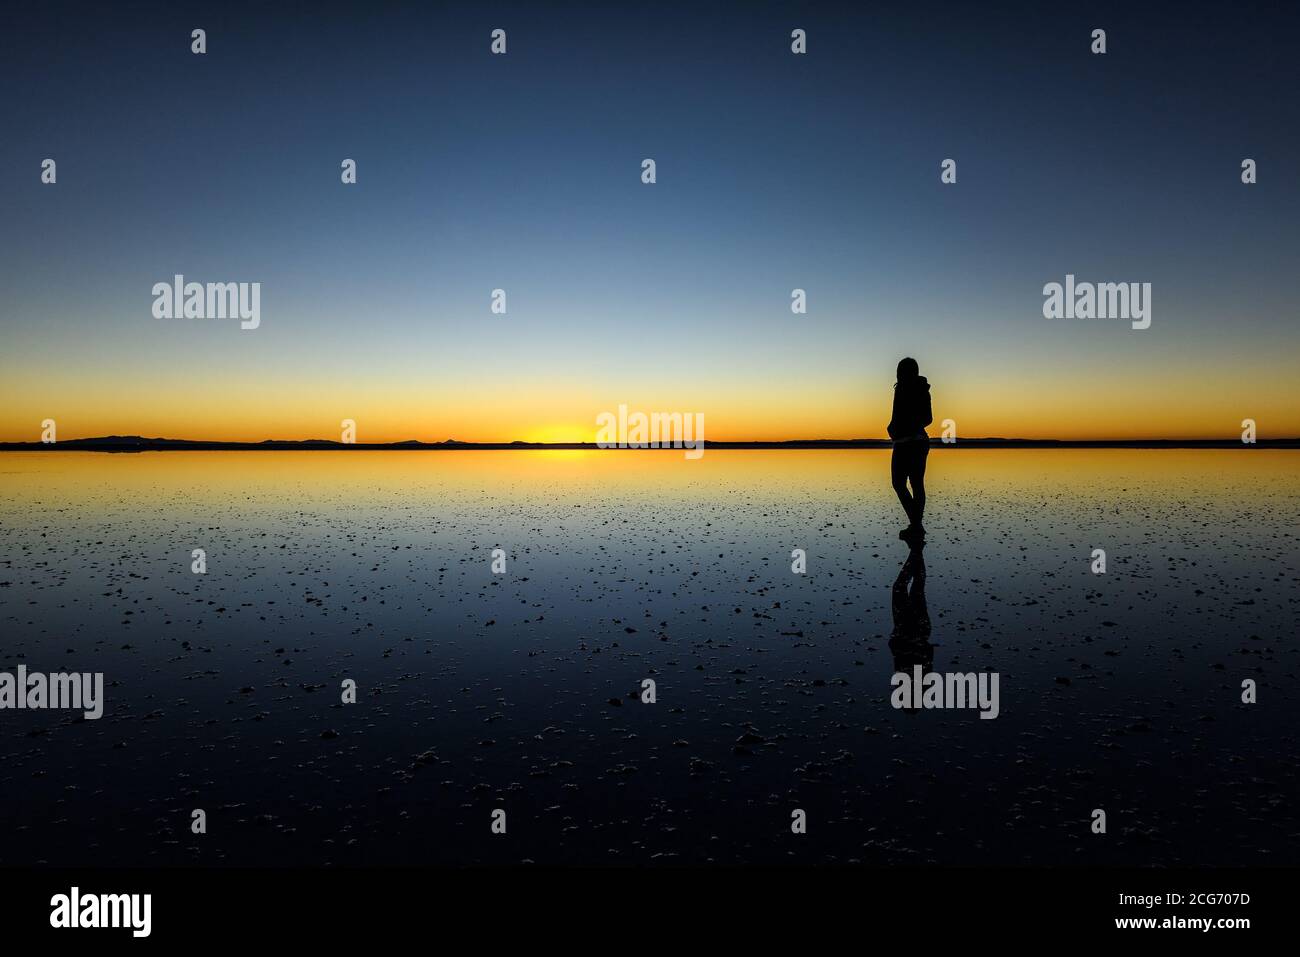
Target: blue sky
<point>521,172</point>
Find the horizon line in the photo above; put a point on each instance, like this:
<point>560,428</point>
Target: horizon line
<point>159,444</point>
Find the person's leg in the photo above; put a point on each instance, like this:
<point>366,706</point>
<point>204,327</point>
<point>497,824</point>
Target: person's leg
<point>898,472</point>
<point>916,475</point>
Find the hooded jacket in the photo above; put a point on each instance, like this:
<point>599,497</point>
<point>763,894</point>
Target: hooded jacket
<point>911,412</point>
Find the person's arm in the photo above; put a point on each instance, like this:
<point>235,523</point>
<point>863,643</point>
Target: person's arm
<point>893,417</point>
<point>926,415</point>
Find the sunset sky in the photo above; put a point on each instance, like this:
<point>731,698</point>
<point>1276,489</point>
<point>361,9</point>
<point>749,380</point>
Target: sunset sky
<point>522,172</point>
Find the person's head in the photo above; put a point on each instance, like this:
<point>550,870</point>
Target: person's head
<point>908,369</point>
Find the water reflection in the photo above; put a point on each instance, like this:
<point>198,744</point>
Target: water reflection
<point>909,642</point>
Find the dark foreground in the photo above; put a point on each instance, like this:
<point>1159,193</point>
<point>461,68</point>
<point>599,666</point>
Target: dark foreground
<point>521,692</point>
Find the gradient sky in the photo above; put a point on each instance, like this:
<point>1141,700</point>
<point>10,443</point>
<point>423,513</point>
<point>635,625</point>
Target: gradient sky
<point>522,171</point>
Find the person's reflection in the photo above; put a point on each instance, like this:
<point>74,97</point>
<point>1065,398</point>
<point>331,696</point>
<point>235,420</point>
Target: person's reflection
<point>910,640</point>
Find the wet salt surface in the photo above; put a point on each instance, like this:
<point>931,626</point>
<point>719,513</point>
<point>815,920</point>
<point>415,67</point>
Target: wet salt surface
<point>521,691</point>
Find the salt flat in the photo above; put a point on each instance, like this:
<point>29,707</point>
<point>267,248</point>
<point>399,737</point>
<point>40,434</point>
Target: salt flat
<point>522,691</point>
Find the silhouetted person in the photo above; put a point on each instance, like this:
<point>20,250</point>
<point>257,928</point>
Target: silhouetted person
<point>909,642</point>
<point>911,445</point>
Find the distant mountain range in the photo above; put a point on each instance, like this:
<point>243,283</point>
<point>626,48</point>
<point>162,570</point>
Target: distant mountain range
<point>136,443</point>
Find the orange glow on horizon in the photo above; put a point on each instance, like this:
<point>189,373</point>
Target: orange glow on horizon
<point>1161,405</point>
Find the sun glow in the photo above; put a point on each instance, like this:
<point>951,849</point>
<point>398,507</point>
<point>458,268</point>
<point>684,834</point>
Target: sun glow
<point>560,432</point>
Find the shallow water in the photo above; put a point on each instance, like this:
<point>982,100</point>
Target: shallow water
<point>1120,691</point>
